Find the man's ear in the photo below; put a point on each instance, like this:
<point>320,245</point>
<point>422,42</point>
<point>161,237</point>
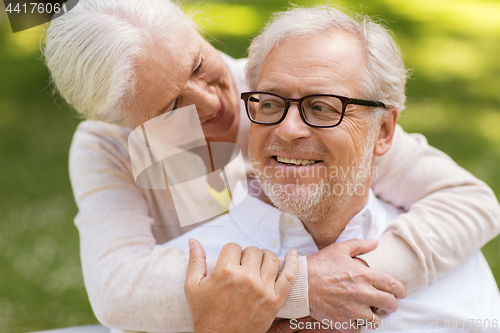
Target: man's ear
<point>386,131</point>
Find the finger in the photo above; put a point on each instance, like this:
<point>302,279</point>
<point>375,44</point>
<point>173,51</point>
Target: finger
<point>283,327</point>
<point>197,266</point>
<point>383,301</point>
<point>372,321</point>
<point>355,247</point>
<point>287,276</point>
<point>360,261</point>
<point>387,283</point>
<point>229,255</point>
<point>251,259</point>
<point>270,266</point>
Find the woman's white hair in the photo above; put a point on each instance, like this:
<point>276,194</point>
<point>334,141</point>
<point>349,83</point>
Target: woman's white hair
<point>93,50</point>
<point>384,76</point>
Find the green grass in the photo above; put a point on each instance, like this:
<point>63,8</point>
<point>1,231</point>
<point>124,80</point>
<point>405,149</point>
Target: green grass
<point>452,46</point>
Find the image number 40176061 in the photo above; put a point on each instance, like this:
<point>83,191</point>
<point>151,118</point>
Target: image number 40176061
<point>28,14</point>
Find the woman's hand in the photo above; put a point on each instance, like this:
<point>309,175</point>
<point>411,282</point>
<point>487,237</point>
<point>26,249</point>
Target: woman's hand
<point>242,294</point>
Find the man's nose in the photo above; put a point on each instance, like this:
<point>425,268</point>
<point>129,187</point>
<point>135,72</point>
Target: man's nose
<point>292,127</point>
<point>206,99</point>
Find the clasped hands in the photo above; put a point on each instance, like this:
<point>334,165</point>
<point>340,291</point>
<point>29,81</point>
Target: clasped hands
<point>244,292</point>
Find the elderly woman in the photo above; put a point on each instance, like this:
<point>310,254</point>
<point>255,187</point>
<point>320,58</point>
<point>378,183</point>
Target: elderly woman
<point>124,62</point>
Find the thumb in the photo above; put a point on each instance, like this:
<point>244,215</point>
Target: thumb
<point>287,276</point>
<point>197,266</point>
<point>355,247</point>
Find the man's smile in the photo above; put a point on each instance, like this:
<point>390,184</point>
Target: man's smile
<point>295,161</point>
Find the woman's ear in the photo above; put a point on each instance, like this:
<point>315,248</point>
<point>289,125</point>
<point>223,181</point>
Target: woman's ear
<point>387,127</point>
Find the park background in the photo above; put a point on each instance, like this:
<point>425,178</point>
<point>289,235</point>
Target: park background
<point>453,47</point>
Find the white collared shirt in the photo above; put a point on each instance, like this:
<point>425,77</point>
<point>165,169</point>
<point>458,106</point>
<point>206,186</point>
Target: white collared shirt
<point>468,292</point>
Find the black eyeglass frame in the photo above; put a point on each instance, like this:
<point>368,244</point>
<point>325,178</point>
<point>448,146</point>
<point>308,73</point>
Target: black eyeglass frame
<point>345,101</point>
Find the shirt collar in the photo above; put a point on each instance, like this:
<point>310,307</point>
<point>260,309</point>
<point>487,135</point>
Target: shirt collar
<point>278,231</point>
<point>256,219</point>
<point>360,226</point>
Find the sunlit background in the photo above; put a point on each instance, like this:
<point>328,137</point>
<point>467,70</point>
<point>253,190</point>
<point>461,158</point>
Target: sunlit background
<point>453,47</point>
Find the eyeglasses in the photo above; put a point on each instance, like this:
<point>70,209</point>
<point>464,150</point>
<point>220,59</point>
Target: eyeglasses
<point>316,110</point>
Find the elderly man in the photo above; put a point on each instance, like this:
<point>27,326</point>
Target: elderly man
<point>328,91</point>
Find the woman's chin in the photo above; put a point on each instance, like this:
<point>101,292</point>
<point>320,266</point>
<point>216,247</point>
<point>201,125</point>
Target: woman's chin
<point>220,130</point>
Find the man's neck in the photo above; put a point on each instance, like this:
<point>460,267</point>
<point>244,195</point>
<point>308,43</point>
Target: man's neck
<point>332,219</point>
<point>329,220</point>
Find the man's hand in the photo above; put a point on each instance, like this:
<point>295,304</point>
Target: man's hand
<point>242,293</point>
<point>343,289</point>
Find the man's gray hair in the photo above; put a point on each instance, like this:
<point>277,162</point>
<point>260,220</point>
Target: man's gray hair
<point>384,76</point>
<point>92,51</point>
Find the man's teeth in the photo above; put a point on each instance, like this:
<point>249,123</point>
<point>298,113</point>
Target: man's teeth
<point>295,161</point>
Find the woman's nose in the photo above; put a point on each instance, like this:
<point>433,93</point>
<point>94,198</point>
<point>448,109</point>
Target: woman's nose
<point>206,99</point>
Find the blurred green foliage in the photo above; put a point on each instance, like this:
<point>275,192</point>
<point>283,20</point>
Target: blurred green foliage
<point>453,99</point>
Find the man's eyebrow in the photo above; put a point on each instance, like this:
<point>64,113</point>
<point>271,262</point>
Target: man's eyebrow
<point>272,88</point>
<point>196,62</point>
<point>275,89</point>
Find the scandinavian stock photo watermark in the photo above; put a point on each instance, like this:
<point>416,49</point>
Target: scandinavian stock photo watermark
<point>333,180</point>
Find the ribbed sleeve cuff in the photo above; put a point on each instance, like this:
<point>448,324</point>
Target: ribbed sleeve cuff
<point>395,257</point>
<point>297,303</point>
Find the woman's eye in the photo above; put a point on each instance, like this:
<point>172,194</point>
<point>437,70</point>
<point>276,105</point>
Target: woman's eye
<point>199,66</point>
<point>167,109</point>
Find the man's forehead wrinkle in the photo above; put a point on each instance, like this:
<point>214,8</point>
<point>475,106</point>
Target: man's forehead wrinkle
<point>309,63</point>
<point>272,85</point>
<point>305,83</point>
<point>321,65</point>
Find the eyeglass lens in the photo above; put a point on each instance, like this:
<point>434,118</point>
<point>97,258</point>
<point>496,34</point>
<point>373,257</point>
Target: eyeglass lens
<point>318,110</point>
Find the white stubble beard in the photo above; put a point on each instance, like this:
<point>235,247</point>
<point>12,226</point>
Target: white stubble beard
<point>314,201</point>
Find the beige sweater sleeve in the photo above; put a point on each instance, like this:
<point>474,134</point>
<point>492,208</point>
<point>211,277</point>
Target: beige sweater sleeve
<point>130,281</point>
<point>133,283</point>
<point>450,213</point>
